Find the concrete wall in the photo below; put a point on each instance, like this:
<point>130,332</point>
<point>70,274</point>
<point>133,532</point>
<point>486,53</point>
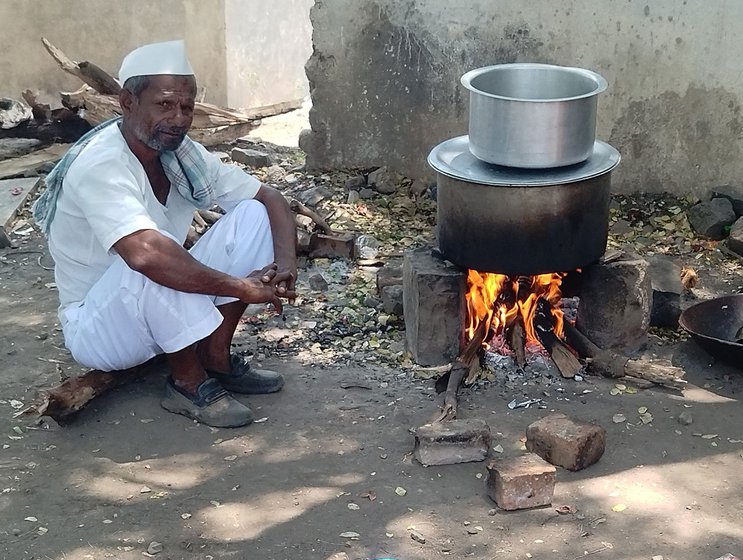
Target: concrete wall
<point>384,79</point>
<point>217,34</point>
<point>268,44</point>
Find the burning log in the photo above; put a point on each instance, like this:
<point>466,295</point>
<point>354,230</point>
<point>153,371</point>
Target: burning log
<point>610,364</point>
<point>544,326</point>
<point>516,336</point>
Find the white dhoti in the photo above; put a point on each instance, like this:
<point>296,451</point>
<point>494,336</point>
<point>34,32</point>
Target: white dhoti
<point>126,318</point>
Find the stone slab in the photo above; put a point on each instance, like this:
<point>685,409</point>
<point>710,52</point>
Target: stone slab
<point>434,307</point>
<point>522,482</point>
<point>615,299</point>
<point>567,443</point>
<point>452,442</point>
<point>13,194</point>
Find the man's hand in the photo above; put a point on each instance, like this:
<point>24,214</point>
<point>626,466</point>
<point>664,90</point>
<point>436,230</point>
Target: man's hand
<point>286,288</point>
<point>268,285</point>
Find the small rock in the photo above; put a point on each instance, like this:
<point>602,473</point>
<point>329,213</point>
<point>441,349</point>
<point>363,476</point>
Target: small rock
<point>356,183</point>
<point>318,283</point>
<point>621,227</point>
<point>275,173</point>
<point>353,197</point>
<point>252,158</point>
<point>712,217</point>
<point>389,275</point>
<point>417,537</point>
<point>366,194</point>
<point>418,187</point>
<point>492,512</point>
<point>392,300</point>
<point>155,547</point>
<point>314,195</point>
<point>735,241</point>
<point>381,181</point>
<point>16,531</point>
<point>685,418</point>
<point>734,193</point>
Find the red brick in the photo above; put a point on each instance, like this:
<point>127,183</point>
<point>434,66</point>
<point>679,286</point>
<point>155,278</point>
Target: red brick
<point>521,482</point>
<point>337,245</point>
<point>451,442</point>
<point>565,442</point>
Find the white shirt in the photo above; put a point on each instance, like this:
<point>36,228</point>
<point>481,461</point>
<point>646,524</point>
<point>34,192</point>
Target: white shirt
<point>106,196</point>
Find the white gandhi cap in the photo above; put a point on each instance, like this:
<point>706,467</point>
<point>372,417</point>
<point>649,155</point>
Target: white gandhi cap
<point>156,58</point>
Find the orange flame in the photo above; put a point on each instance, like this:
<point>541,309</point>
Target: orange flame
<point>498,299</point>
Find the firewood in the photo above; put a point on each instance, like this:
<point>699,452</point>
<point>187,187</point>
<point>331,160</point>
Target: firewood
<point>566,362</point>
<point>86,71</point>
<point>62,402</point>
<point>199,224</point>
<point>28,163</point>
<point>462,366</point>
<point>209,216</point>
<point>42,112</point>
<point>613,365</point>
<point>516,336</point>
<point>301,209</point>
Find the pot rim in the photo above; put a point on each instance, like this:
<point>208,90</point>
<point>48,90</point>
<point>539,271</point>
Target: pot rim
<point>454,159</point>
<point>598,79</point>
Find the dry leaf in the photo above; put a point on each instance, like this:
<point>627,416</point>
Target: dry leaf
<point>642,410</point>
<point>400,491</point>
<point>618,418</point>
<point>350,535</point>
<point>566,509</point>
<point>230,457</point>
<point>371,495</point>
<point>354,507</point>
<point>619,508</point>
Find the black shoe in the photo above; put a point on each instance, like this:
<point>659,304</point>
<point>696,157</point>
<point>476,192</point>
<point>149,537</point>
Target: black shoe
<point>211,405</point>
<point>246,380</point>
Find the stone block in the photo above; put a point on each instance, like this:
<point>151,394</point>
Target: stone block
<point>389,275</point>
<point>251,158</point>
<point>522,482</point>
<point>711,218</point>
<point>614,310</point>
<point>665,282</point>
<point>434,307</point>
<point>452,442</point>
<point>336,246</point>
<point>567,443</point>
<point>392,300</point>
<point>734,193</point>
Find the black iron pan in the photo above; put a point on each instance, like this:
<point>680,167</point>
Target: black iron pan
<point>716,324</point>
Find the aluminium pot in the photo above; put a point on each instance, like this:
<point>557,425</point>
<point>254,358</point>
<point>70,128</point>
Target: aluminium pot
<point>518,221</point>
<point>532,115</point>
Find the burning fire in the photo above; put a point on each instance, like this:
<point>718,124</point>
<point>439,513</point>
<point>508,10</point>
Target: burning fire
<point>498,301</point>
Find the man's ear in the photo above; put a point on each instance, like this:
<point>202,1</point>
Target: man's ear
<point>127,101</point>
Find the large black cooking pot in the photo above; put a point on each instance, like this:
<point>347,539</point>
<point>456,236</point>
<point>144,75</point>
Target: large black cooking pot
<point>715,325</point>
<point>521,221</point>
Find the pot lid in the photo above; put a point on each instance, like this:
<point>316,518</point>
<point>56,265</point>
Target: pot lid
<point>454,159</point>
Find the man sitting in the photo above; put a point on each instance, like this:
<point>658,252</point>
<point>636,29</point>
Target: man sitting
<point>117,210</point>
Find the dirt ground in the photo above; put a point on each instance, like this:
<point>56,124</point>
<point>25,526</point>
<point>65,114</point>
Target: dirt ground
<point>333,453</point>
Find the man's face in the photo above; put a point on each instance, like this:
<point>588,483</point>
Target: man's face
<point>162,114</point>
